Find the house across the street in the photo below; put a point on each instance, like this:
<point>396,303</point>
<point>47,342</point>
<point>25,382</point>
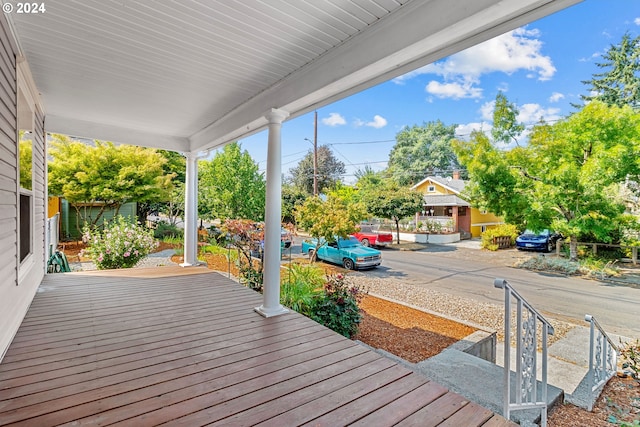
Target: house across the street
<point>443,204</point>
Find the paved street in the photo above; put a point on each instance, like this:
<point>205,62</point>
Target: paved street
<point>470,273</point>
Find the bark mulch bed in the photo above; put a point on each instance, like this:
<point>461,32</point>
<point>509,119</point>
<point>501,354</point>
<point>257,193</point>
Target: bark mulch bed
<point>408,333</point>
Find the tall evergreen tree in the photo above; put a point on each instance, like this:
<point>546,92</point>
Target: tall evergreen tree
<point>329,171</point>
<point>619,84</point>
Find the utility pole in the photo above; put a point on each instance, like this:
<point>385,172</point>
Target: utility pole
<point>315,154</point>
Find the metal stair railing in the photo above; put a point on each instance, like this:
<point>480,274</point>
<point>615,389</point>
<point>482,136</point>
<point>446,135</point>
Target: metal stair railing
<point>603,358</point>
<point>526,369</point>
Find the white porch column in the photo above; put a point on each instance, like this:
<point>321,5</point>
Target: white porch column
<point>191,212</point>
<point>273,211</point>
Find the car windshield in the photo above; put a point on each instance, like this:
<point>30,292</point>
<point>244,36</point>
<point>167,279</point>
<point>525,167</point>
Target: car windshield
<point>536,233</point>
<point>350,242</point>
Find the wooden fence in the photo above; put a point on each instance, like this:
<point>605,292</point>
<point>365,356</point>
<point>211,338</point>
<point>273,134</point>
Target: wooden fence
<point>594,248</point>
<point>503,242</point>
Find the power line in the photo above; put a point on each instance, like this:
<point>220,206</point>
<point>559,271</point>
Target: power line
<point>359,142</point>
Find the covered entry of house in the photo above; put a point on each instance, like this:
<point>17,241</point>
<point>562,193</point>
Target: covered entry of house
<point>192,76</point>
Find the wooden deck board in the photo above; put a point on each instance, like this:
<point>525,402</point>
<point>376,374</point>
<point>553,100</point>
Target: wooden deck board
<point>185,347</point>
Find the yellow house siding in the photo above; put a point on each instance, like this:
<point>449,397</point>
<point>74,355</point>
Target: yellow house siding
<point>478,219</point>
<point>439,189</point>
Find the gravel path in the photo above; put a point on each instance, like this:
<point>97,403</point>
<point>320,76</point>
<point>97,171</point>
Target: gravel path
<point>487,316</point>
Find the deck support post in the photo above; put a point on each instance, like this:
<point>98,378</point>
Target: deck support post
<point>273,212</point>
<point>191,212</point>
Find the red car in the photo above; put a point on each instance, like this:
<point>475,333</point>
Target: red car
<point>370,237</point>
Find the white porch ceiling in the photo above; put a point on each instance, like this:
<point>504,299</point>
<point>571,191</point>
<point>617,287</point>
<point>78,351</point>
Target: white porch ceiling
<point>195,74</point>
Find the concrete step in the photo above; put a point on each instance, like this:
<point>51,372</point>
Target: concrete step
<point>481,382</point>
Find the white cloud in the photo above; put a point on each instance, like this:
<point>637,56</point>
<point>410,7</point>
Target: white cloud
<point>636,21</point>
<point>487,110</point>
<point>464,131</point>
<point>377,122</point>
<point>532,113</point>
<point>503,87</point>
<point>556,96</point>
<point>334,119</point>
<point>527,113</point>
<point>453,90</point>
<point>508,53</point>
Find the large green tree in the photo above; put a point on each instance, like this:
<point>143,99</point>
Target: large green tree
<point>329,171</point>
<point>292,197</point>
<point>566,178</point>
<point>506,128</point>
<point>106,175</point>
<point>327,219</point>
<point>619,83</point>
<point>231,186</point>
<point>176,165</point>
<point>421,151</point>
<point>391,201</point>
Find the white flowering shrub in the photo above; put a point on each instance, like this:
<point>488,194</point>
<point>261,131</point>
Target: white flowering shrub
<point>121,244</point>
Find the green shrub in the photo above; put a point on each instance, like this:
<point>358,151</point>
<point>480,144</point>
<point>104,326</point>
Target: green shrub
<point>302,287</point>
<point>337,307</point>
<point>251,275</point>
<point>219,250</point>
<point>543,263</point>
<point>121,244</point>
<point>165,230</point>
<point>631,358</point>
<point>599,267</point>
<point>499,231</point>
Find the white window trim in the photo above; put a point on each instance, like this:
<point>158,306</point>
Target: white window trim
<point>26,106</point>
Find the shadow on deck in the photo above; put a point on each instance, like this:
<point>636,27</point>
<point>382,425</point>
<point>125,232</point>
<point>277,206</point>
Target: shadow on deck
<point>181,346</point>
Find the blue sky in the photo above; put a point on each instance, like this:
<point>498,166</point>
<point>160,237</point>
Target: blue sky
<point>539,67</point>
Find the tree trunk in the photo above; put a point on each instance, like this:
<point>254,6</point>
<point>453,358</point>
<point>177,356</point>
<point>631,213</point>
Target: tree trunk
<point>397,230</point>
<point>573,248</point>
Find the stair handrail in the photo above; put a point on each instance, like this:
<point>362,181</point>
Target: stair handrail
<point>603,358</point>
<point>526,386</point>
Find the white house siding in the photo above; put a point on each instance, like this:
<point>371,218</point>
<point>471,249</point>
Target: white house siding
<point>18,284</point>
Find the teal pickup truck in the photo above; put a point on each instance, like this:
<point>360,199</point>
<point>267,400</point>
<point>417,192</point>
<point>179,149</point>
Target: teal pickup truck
<point>347,252</point>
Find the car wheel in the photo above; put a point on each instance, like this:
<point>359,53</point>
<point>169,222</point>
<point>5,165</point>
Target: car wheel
<point>365,242</point>
<point>549,246</point>
<point>311,253</point>
<point>348,264</point>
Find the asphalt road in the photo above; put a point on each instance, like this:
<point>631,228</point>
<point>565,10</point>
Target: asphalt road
<point>470,273</point>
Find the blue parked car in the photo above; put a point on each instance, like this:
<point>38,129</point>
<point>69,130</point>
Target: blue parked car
<point>537,241</point>
<point>347,252</point>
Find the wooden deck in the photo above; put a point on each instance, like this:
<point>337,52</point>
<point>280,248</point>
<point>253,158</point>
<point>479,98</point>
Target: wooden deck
<point>156,346</point>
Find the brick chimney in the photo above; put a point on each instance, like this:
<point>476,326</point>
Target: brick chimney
<point>456,174</point>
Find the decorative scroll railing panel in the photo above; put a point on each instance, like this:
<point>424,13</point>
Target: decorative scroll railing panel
<point>528,320</point>
<point>603,358</point>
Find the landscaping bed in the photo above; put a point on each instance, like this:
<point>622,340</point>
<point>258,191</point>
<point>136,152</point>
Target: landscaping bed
<point>408,333</point>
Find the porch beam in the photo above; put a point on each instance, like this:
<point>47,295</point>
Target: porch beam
<point>273,212</point>
<point>191,212</point>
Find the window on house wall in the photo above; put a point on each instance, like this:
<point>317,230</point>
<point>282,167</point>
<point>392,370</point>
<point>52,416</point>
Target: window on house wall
<point>25,168</point>
<point>431,189</point>
<point>462,210</point>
